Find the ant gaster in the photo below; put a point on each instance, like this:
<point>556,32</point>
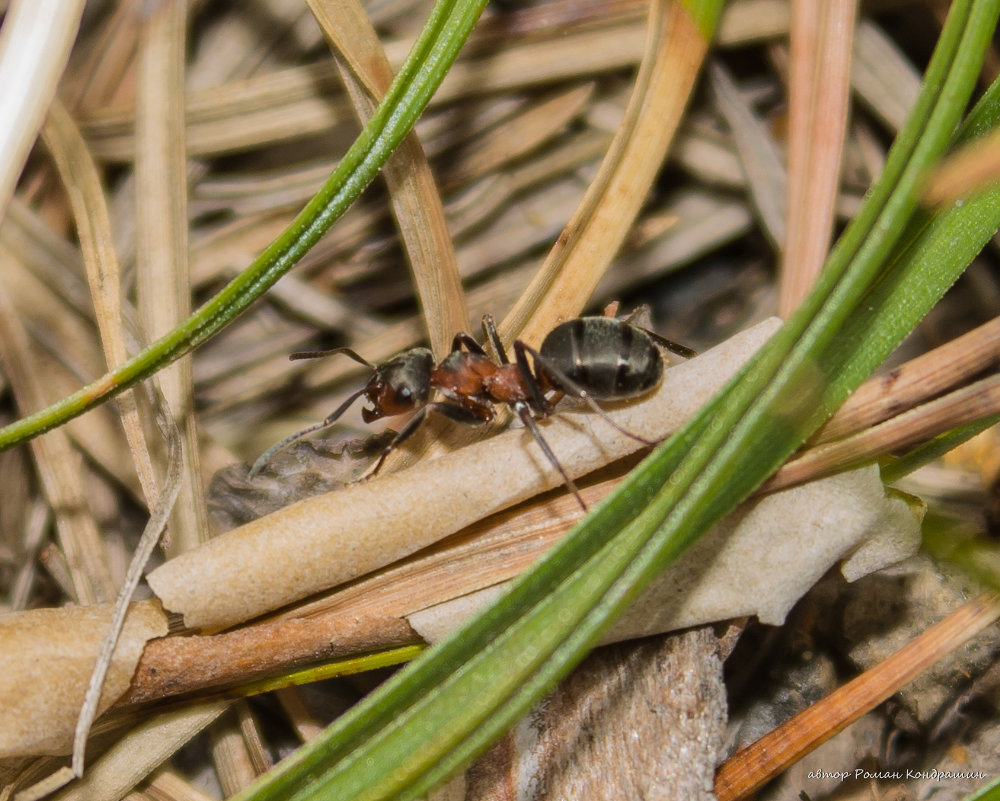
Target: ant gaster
<point>589,358</point>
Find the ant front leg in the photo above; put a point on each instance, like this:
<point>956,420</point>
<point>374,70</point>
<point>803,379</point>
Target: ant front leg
<point>469,414</point>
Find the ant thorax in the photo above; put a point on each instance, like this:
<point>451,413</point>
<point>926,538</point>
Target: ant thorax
<point>507,384</point>
<point>462,375</point>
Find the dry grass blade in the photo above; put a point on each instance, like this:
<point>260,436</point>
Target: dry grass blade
<point>882,76</point>
<point>757,764</point>
<point>167,498</point>
<point>765,174</point>
<point>286,105</point>
<point>923,377</point>
<point>970,169</point>
<point>565,282</point>
<point>500,145</point>
<point>139,752</point>
<point>47,786</point>
<point>753,20</point>
<point>93,224</point>
<point>414,196</point>
<point>819,100</point>
<point>58,466</point>
<point>917,425</point>
<point>164,279</point>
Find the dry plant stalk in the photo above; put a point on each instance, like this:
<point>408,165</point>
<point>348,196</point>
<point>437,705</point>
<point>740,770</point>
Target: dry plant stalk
<point>672,56</point>
<point>920,424</point>
<point>417,205</point>
<point>93,223</point>
<point>163,275</point>
<point>919,379</point>
<point>58,466</point>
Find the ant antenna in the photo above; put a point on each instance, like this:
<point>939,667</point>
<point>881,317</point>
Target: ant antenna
<point>318,354</point>
<point>267,455</point>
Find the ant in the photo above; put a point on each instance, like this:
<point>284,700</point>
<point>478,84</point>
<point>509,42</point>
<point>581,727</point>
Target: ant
<point>590,358</point>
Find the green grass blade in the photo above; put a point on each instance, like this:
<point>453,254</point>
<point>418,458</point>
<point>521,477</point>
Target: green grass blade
<point>991,792</point>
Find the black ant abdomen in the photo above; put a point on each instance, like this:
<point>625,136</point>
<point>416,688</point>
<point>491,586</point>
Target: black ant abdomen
<point>609,359</point>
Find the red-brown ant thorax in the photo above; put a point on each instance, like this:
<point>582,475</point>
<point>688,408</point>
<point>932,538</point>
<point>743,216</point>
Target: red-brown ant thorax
<point>461,374</point>
<point>507,385</point>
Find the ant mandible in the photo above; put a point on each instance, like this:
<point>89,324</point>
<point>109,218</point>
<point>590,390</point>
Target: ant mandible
<point>589,358</point>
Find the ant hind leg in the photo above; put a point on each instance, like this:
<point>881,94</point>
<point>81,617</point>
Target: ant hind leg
<point>462,414</point>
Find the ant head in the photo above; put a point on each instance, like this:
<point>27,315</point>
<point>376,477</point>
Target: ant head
<point>400,385</point>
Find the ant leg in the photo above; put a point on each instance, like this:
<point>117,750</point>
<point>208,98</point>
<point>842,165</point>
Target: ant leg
<point>470,415</point>
<point>680,350</point>
<point>539,403</point>
<point>524,412</point>
<point>571,387</point>
<point>267,455</point>
<point>490,330</point>
<point>639,318</point>
<point>317,354</point>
